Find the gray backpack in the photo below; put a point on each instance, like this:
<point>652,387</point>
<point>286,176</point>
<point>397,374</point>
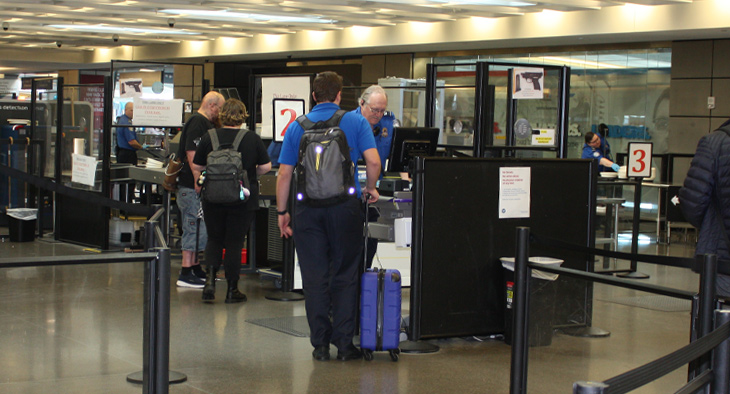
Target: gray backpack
<point>324,173</point>
<point>225,178</point>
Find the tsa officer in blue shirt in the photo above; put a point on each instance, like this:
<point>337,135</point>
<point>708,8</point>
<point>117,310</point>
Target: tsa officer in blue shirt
<point>127,141</point>
<point>592,150</point>
<point>373,107</point>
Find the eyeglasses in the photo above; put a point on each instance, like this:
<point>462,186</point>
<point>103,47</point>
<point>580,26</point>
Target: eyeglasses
<point>376,111</point>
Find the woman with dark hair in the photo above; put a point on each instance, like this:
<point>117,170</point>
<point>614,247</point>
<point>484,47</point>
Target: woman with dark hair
<point>227,224</point>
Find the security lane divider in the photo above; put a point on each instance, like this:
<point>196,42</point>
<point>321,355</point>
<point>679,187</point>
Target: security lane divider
<point>86,196</point>
<point>705,344</point>
<point>155,376</point>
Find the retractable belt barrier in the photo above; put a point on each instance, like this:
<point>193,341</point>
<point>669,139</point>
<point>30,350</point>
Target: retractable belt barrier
<point>86,196</point>
<point>708,354</point>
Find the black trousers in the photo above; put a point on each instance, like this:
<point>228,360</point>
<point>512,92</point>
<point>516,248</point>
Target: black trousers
<point>227,226</point>
<point>329,246</point>
<point>127,156</point>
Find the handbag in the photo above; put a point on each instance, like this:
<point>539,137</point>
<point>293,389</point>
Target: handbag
<point>174,165</point>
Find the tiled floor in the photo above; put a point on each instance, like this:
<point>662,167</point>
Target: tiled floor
<point>78,329</point>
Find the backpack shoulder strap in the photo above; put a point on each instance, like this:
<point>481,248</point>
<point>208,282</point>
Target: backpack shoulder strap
<point>239,138</point>
<point>214,139</point>
<point>336,118</point>
<point>305,122</point>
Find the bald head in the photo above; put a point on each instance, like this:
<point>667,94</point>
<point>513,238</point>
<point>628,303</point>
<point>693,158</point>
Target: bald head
<point>211,105</point>
<point>129,109</point>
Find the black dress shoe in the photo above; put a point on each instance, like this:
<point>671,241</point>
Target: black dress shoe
<point>349,353</point>
<point>321,353</point>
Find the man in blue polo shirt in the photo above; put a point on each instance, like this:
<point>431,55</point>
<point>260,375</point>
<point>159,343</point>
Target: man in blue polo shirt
<point>329,239</point>
<point>373,105</point>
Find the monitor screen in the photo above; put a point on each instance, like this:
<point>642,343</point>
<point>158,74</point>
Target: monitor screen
<point>410,142</point>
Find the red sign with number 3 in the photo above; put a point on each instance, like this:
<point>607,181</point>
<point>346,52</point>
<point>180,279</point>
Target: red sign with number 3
<point>640,155</point>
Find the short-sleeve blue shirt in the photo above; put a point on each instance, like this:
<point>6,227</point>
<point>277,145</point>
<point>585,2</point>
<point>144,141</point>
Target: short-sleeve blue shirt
<point>357,130</point>
<point>383,135</point>
<point>595,154</point>
<point>125,134</point>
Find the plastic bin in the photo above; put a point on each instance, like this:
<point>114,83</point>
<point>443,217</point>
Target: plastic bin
<point>543,292</point>
<point>22,224</point>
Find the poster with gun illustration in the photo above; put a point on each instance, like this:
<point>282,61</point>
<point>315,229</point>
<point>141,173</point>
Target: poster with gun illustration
<point>527,83</point>
<point>130,87</point>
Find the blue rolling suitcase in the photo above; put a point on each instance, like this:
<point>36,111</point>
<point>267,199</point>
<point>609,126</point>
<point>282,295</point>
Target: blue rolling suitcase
<point>380,312</point>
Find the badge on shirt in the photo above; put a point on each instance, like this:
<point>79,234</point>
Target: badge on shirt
<point>596,154</point>
<point>384,133</point>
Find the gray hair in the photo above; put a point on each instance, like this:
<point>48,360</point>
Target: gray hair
<point>365,97</point>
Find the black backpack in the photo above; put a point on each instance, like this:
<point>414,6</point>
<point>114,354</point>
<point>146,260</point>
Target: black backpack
<point>325,174</point>
<point>225,178</point>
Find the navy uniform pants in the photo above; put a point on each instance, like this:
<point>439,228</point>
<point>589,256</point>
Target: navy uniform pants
<point>329,244</point>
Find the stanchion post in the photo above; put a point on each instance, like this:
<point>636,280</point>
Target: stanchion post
<point>589,388</point>
<point>721,358</point>
<point>707,303</point>
<point>287,271</point>
<point>518,374</point>
<point>149,345</point>
<point>162,345</point>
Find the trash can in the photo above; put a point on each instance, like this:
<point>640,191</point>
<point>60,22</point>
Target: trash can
<point>22,224</point>
<point>541,311</point>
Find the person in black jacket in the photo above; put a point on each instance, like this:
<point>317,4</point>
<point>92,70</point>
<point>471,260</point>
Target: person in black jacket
<point>227,224</point>
<point>705,201</point>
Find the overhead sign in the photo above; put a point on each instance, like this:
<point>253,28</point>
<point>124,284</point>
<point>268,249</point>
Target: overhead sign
<point>639,159</point>
<point>155,112</point>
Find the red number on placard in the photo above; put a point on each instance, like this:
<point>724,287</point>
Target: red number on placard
<point>640,161</point>
<point>292,117</point>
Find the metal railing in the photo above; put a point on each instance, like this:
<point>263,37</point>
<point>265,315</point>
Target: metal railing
<point>703,371</point>
<point>156,331</point>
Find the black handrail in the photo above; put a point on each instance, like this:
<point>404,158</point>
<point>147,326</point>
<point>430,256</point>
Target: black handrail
<point>156,346</point>
<point>696,351</point>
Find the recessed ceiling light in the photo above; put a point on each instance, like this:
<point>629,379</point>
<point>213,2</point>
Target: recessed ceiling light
<point>224,15</point>
<point>120,29</point>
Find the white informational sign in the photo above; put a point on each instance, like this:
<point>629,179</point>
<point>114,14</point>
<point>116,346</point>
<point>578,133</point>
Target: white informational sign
<point>527,83</point>
<point>639,159</point>
<point>156,112</point>
<point>543,137</point>
<point>83,169</point>
<point>514,192</point>
<point>286,111</point>
<point>131,87</point>
<point>297,87</point>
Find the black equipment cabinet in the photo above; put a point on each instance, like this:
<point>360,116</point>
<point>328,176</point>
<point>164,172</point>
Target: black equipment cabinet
<point>457,285</point>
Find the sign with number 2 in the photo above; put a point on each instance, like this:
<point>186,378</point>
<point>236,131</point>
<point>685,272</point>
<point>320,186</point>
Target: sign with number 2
<point>639,159</point>
<point>286,111</point>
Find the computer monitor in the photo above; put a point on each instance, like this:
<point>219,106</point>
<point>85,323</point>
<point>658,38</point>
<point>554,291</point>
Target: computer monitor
<point>408,143</point>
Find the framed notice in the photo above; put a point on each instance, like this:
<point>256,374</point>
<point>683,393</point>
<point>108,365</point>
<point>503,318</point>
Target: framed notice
<point>280,87</point>
<point>639,159</point>
<point>286,111</point>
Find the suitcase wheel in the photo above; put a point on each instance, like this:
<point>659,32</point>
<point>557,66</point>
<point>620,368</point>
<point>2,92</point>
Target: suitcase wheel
<point>367,354</point>
<point>394,354</point>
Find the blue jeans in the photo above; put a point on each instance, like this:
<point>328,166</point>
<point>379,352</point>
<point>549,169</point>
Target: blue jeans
<point>188,202</point>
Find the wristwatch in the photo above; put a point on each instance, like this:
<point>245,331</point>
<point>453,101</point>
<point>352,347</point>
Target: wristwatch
<point>281,213</point>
